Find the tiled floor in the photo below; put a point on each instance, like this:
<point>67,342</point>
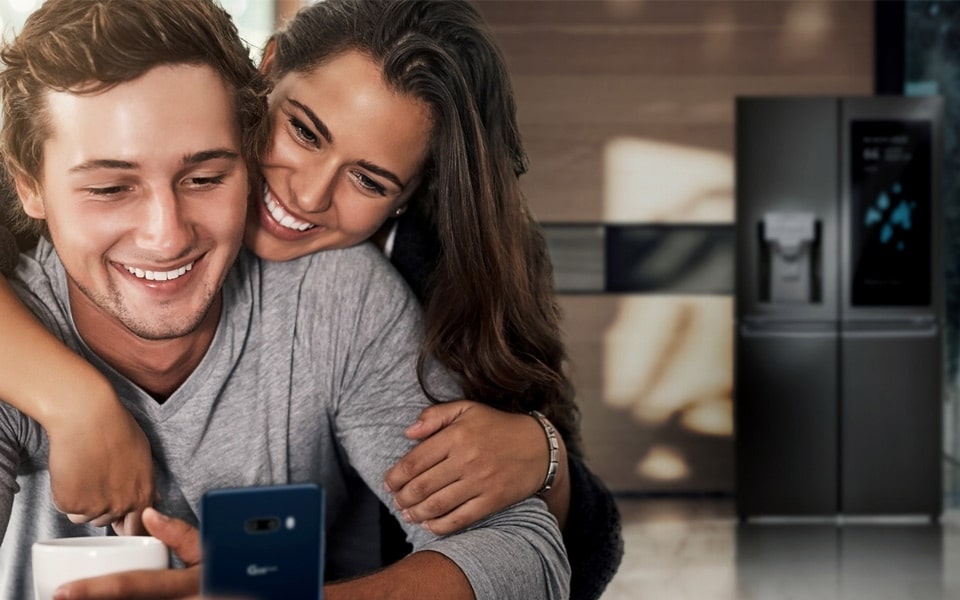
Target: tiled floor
<point>697,550</point>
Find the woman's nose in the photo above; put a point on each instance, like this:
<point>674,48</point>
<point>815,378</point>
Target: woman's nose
<point>314,190</point>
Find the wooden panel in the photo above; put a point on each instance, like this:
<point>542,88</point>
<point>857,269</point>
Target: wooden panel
<point>570,179</point>
<point>703,14</point>
<point>685,37</point>
<point>624,100</point>
<point>681,53</point>
<point>653,378</point>
<point>626,108</point>
<point>586,73</point>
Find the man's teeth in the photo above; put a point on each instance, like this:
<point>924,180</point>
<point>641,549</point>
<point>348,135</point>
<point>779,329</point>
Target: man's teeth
<point>157,275</point>
<point>282,217</point>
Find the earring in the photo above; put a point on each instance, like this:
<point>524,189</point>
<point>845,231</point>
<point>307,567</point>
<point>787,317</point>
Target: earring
<point>399,211</point>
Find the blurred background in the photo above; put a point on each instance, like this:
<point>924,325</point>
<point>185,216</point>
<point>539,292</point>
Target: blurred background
<point>627,111</point>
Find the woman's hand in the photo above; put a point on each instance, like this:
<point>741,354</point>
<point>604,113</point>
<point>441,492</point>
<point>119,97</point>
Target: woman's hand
<point>180,537</point>
<point>100,464</point>
<point>474,460</point>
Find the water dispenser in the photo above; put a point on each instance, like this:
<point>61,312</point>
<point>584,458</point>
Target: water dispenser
<point>789,253</point>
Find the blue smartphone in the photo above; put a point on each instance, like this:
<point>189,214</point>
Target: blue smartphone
<point>263,542</point>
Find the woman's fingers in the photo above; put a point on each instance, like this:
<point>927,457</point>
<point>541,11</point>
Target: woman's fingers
<point>415,463</point>
<point>436,417</point>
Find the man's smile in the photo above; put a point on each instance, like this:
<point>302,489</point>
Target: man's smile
<point>158,275</point>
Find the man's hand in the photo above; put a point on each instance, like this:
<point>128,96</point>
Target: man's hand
<point>180,537</point>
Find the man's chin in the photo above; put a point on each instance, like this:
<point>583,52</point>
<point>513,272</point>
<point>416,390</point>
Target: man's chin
<point>157,321</point>
<point>155,332</point>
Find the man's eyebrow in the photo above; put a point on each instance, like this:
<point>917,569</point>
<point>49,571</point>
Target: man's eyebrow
<point>103,163</point>
<point>126,165</point>
<point>205,155</point>
<point>321,127</point>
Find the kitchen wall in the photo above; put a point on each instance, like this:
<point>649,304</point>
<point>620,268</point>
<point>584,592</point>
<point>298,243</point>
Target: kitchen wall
<point>626,107</point>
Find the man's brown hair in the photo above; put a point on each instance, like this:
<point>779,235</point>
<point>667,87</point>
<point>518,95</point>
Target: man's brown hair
<point>88,46</point>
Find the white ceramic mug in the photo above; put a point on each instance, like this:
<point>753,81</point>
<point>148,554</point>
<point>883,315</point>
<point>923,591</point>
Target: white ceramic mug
<point>58,561</point>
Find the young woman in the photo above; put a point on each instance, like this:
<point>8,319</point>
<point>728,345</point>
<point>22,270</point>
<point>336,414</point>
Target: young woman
<point>395,121</point>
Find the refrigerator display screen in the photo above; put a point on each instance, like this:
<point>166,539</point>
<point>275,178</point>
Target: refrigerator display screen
<point>890,191</point>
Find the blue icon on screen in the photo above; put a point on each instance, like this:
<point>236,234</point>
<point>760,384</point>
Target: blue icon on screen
<point>899,220</point>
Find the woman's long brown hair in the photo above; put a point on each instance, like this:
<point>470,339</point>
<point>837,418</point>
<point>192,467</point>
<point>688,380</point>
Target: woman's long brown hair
<point>491,314</point>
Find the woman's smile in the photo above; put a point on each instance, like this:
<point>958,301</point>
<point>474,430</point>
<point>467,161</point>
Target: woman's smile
<point>280,215</point>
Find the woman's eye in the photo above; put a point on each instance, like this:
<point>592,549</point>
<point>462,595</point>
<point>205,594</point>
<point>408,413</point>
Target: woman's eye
<point>369,184</point>
<point>303,132</point>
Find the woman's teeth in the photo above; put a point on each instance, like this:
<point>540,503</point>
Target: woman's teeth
<point>157,275</point>
<point>282,217</point>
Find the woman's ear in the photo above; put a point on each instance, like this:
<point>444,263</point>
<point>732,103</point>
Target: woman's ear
<point>404,199</point>
<point>29,193</point>
<point>269,55</point>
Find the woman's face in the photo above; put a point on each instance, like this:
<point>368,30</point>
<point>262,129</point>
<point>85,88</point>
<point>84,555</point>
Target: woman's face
<point>345,154</point>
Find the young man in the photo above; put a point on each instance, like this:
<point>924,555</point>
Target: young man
<point>130,128</point>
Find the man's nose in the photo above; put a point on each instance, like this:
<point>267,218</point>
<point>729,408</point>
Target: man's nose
<point>165,228</point>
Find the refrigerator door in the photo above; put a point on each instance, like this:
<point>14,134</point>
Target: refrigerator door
<point>786,420</point>
<point>891,425</point>
<point>787,304</point>
<point>787,208</point>
<point>891,368</point>
<point>890,208</point>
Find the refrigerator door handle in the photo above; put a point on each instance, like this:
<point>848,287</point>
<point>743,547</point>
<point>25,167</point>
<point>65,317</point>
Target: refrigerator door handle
<point>928,331</point>
<point>789,330</point>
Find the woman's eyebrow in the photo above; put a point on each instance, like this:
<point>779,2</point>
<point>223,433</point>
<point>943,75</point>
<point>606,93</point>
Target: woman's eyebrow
<point>320,126</point>
<point>382,173</point>
<point>325,133</point>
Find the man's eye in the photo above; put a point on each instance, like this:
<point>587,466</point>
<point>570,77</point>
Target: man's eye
<point>205,182</point>
<point>112,190</point>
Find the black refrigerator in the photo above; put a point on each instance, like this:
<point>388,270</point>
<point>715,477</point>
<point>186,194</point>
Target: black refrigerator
<point>838,355</point>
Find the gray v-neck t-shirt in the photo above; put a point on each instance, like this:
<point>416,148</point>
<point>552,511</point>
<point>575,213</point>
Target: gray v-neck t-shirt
<point>311,377</point>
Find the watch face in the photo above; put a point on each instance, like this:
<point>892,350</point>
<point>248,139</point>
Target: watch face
<point>890,185</point>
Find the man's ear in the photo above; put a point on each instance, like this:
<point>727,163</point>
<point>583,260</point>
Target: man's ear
<point>30,197</point>
<point>269,55</point>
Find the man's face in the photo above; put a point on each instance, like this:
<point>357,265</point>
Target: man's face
<point>144,191</point>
